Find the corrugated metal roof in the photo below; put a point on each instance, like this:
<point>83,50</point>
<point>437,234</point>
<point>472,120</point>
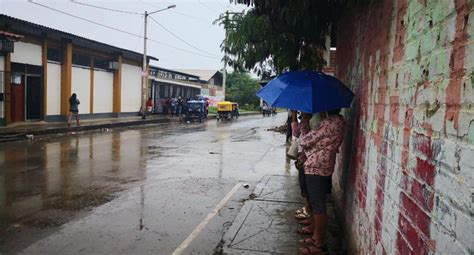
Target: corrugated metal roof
<point>174,71</point>
<point>11,35</point>
<point>13,24</point>
<point>203,74</point>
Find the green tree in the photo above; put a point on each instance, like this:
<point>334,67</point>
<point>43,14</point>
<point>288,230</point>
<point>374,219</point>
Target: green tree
<point>279,35</point>
<point>241,88</point>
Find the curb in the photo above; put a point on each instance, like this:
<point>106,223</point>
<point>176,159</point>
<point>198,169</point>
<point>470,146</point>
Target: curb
<point>16,136</point>
<point>213,116</point>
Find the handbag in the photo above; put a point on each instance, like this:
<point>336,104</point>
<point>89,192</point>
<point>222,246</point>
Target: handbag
<point>292,152</point>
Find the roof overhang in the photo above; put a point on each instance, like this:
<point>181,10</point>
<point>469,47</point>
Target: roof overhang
<point>10,36</point>
<point>15,25</point>
<point>176,82</point>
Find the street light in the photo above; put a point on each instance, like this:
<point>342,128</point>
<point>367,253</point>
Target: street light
<point>145,71</point>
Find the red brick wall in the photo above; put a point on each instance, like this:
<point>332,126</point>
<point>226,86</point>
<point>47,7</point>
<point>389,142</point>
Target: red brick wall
<point>404,178</point>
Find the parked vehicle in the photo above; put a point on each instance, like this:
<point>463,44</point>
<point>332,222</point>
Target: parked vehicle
<point>227,110</point>
<point>196,110</point>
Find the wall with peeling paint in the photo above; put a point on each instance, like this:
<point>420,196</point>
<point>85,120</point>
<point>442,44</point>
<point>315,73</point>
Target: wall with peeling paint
<point>404,177</point>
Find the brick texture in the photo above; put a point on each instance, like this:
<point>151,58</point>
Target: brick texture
<point>405,175</point>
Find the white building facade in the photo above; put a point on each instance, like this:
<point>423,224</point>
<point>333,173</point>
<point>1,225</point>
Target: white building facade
<point>46,66</point>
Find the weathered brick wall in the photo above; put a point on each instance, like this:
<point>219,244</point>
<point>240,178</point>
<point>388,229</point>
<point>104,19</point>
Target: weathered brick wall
<point>404,178</point>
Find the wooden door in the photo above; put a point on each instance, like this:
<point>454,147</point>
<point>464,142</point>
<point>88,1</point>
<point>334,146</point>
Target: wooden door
<point>17,104</point>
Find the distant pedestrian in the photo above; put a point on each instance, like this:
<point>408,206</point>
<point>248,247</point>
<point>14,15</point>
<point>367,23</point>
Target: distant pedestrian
<point>149,106</point>
<point>173,103</point>
<point>164,103</point>
<point>179,106</point>
<point>73,109</point>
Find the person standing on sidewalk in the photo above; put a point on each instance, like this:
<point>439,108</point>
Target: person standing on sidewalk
<point>299,130</point>
<point>179,106</point>
<point>164,104</point>
<point>173,103</point>
<point>73,109</point>
<point>149,106</point>
<point>321,146</point>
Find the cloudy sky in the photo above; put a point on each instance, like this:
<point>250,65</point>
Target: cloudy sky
<point>191,21</point>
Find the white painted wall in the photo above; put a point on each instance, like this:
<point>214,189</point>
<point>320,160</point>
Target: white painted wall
<point>81,85</point>
<point>131,88</point>
<point>103,91</point>
<point>54,89</point>
<point>2,83</point>
<point>27,53</point>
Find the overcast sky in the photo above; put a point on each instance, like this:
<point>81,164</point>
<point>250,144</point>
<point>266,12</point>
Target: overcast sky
<point>191,20</point>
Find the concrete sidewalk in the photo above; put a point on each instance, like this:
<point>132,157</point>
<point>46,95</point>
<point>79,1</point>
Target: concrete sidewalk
<point>22,130</point>
<point>265,224</point>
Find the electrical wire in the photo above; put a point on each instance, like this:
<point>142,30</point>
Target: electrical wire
<point>105,8</point>
<point>181,39</point>
<point>179,13</point>
<point>193,17</point>
<point>183,50</point>
<point>208,7</point>
<point>120,30</point>
<point>84,19</point>
<point>161,25</point>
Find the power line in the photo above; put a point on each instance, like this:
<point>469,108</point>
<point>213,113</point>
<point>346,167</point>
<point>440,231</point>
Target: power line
<point>208,7</point>
<point>179,13</point>
<point>105,8</point>
<point>193,17</point>
<point>181,39</point>
<point>119,30</point>
<point>162,26</point>
<point>183,50</point>
<point>84,19</point>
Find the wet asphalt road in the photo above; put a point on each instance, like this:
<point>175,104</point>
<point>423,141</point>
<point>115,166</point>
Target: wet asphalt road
<point>134,191</point>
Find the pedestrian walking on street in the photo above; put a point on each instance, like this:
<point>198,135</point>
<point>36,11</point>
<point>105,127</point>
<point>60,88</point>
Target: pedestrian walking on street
<point>320,147</point>
<point>73,109</point>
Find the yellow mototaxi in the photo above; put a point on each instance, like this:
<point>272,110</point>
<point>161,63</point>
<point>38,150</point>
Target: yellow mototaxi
<point>227,110</point>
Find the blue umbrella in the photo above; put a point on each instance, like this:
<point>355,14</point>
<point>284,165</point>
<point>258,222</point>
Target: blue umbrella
<point>306,91</point>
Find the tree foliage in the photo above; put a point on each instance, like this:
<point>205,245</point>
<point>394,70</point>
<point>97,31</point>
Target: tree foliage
<point>241,88</point>
<point>278,35</point>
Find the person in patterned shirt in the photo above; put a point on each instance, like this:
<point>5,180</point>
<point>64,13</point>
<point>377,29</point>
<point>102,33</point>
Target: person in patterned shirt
<point>303,214</point>
<point>320,147</point>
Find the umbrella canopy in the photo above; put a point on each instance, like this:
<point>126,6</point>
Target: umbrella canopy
<point>306,91</point>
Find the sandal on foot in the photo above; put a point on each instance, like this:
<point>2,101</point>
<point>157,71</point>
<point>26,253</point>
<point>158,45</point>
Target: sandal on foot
<point>314,249</point>
<point>305,222</point>
<point>305,231</point>
<point>306,241</point>
<point>302,210</point>
<point>301,216</point>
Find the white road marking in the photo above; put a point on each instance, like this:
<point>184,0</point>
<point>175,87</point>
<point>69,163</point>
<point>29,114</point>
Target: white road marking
<point>203,223</point>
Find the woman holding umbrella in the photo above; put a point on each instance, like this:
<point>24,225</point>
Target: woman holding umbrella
<point>320,147</point>
<point>314,92</point>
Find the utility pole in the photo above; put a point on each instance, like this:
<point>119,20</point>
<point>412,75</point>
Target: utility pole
<point>145,69</point>
<point>226,24</point>
<point>224,75</point>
